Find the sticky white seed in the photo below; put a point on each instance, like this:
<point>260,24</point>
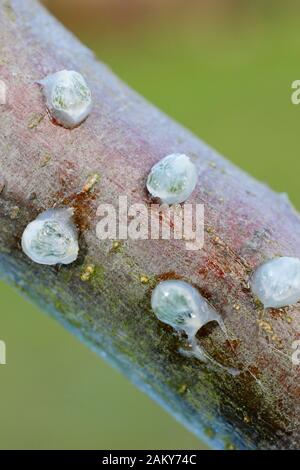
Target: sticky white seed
<point>180,305</point>
<point>276,283</point>
<point>173,179</point>
<point>51,238</point>
<point>68,98</point>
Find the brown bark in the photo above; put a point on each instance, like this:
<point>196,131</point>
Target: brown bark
<point>44,165</point>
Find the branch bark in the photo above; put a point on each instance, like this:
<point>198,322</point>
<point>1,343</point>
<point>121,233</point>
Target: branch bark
<point>44,165</point>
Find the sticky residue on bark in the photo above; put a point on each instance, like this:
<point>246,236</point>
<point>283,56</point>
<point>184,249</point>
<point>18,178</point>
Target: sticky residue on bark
<point>181,306</point>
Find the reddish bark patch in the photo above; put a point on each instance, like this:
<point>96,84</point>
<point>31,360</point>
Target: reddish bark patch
<point>168,276</point>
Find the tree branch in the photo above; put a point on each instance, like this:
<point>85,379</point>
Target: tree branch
<point>44,165</point>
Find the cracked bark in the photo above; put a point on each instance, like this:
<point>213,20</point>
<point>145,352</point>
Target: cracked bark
<point>44,165</point>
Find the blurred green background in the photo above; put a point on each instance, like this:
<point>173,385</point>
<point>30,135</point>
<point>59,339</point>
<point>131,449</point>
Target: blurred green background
<point>222,68</point>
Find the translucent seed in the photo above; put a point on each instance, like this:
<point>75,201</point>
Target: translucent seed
<point>173,179</point>
<point>51,238</point>
<point>276,283</point>
<point>68,98</point>
<point>180,305</point>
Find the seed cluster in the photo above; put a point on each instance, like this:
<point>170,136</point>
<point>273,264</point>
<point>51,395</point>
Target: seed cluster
<point>52,237</point>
